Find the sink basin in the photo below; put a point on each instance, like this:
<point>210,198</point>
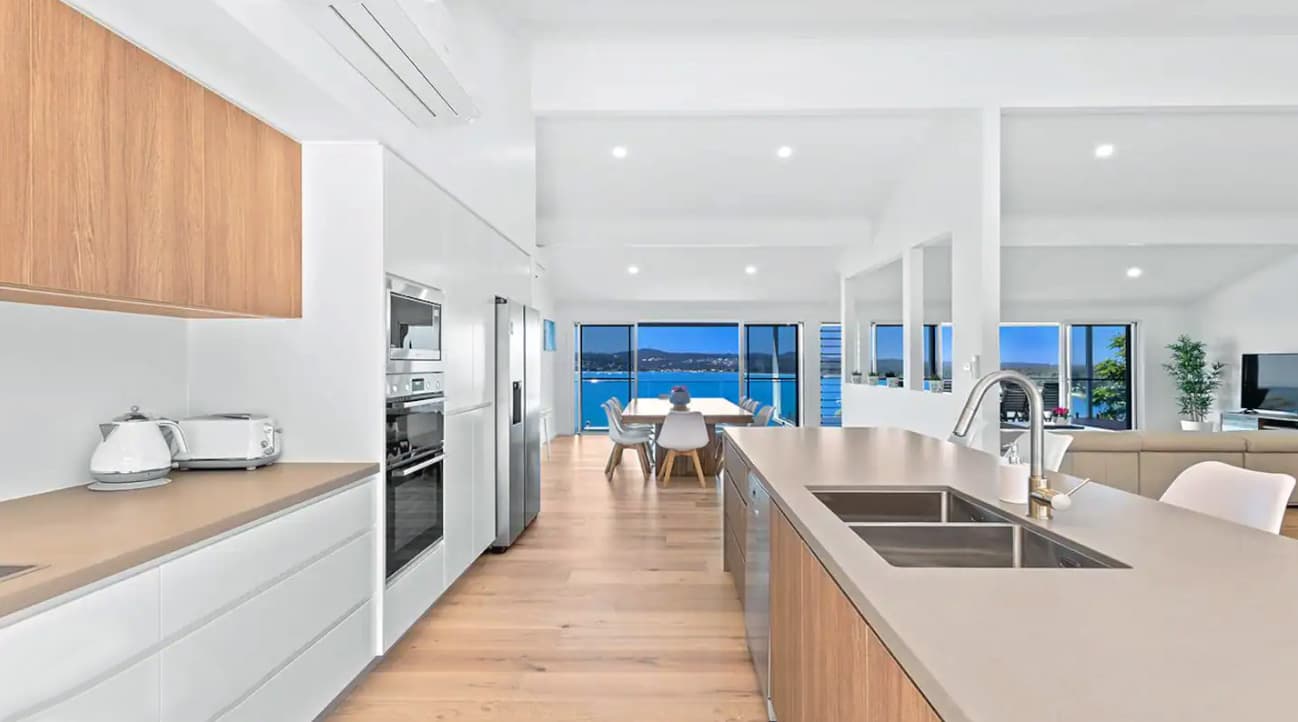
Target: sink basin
<point>979,545</point>
<point>944,528</point>
<point>895,506</point>
<point>8,571</point>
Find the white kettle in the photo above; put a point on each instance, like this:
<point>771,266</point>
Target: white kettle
<point>134,454</point>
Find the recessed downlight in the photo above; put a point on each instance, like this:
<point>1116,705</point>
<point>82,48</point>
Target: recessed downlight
<point>633,270</point>
<point>784,152</point>
<point>750,270</point>
<point>1135,272</point>
<point>619,151</point>
<point>1105,150</point>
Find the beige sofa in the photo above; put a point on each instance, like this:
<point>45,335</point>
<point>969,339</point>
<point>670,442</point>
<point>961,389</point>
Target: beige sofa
<point>1145,463</point>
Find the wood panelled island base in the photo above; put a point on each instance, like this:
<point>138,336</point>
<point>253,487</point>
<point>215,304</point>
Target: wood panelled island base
<point>827,665</point>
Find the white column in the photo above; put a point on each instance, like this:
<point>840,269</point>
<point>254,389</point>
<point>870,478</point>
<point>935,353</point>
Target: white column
<point>848,317</point>
<point>912,317</point>
<point>976,259</point>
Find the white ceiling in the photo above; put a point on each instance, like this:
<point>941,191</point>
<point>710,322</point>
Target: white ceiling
<point>1082,17</point>
<point>705,273</point>
<point>1087,274</point>
<point>1183,162</point>
<point>722,167</point>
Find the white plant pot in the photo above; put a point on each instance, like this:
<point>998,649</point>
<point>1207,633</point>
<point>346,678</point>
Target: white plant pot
<point>1197,425</point>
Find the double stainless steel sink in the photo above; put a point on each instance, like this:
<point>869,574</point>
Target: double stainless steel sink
<point>941,527</point>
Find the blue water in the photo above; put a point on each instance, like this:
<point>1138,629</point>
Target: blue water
<point>597,387</point>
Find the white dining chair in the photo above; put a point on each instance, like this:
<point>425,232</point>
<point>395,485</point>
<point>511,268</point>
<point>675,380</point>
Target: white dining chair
<point>763,417</point>
<point>1244,496</point>
<point>1056,445</point>
<point>750,405</point>
<point>624,439</point>
<point>617,406</point>
<point>684,433</point>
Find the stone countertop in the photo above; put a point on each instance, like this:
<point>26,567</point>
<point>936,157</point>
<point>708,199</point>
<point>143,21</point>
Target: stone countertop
<point>78,537</point>
<point>1201,628</point>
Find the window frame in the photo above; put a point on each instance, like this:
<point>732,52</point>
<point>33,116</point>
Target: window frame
<point>1132,376</point>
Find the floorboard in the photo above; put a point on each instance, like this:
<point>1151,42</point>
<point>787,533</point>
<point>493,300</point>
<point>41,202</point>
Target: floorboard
<point>612,608</point>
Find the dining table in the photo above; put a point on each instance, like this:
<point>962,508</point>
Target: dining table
<point>715,411</point>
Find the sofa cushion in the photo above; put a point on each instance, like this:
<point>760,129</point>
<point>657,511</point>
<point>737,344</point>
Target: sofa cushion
<point>1275,463</point>
<point>1119,470</point>
<point>1191,441</point>
<point>1281,442</point>
<point>1105,441</point>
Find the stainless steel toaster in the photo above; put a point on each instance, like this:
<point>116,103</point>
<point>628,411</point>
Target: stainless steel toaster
<point>230,441</point>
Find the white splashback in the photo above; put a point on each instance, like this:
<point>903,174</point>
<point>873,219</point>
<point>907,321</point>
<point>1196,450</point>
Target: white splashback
<point>320,376</point>
<point>62,371</point>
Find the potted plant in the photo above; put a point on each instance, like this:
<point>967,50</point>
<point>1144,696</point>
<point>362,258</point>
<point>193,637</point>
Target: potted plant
<point>856,377</point>
<point>872,379</point>
<point>934,384</point>
<point>680,398</point>
<point>892,380</point>
<point>1061,415</point>
<point>1196,381</point>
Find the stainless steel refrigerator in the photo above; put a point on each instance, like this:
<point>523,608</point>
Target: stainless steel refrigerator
<point>518,419</point>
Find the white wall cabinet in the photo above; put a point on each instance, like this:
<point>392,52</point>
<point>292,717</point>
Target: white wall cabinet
<point>235,625</point>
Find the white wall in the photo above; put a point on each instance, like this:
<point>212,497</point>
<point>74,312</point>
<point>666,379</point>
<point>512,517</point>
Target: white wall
<point>569,313</point>
<point>321,375</point>
<point>62,372</point>
<point>922,412</point>
<point>1255,314</point>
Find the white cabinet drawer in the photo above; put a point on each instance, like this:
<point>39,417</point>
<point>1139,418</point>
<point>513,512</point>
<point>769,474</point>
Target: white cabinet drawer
<point>130,696</point>
<point>44,657</point>
<point>309,683</point>
<point>198,585</point>
<point>215,666</point>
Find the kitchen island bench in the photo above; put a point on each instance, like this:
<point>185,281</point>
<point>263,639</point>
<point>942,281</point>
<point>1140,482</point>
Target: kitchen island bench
<point>1198,627</point>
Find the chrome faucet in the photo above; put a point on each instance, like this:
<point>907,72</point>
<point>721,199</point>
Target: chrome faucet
<point>1042,500</point>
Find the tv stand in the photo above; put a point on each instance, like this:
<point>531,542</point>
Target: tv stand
<point>1258,421</point>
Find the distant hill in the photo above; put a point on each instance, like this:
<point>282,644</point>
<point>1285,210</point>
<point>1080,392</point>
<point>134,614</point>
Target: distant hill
<point>652,359</point>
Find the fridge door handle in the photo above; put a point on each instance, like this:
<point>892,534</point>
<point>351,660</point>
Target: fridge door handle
<point>517,410</point>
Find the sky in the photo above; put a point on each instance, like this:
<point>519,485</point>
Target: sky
<point>697,339</point>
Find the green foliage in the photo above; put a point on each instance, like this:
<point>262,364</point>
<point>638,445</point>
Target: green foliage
<point>1109,400</point>
<point>1196,380</point>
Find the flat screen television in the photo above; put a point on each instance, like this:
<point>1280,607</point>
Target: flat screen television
<point>1270,382</point>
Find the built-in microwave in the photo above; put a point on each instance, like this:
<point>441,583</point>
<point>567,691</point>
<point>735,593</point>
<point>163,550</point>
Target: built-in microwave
<point>414,320</point>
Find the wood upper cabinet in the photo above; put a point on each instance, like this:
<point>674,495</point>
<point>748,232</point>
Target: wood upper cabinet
<point>827,665</point>
<point>126,185</point>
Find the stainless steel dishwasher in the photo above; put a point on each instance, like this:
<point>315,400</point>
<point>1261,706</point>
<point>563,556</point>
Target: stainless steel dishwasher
<point>757,585</point>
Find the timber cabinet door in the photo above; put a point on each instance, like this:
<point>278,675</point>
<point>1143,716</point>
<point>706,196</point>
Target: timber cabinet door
<point>827,665</point>
<point>126,185</point>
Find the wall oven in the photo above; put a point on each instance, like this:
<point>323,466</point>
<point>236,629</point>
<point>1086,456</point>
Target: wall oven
<point>415,461</point>
<point>414,321</point>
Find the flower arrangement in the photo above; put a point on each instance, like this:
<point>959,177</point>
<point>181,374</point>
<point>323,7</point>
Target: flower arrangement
<point>680,397</point>
<point>1061,412</point>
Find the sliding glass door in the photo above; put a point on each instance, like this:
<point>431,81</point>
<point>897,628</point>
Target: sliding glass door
<point>1100,374</point>
<point>771,363</point>
<point>606,367</point>
<point>702,357</point>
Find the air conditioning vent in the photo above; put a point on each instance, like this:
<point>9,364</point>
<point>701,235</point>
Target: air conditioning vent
<point>383,43</point>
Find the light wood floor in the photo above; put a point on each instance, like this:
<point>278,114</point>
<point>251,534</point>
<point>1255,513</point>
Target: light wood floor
<point>612,608</point>
<point>1289,527</point>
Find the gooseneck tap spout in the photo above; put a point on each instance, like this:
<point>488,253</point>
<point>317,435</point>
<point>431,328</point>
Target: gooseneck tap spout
<point>1040,496</point>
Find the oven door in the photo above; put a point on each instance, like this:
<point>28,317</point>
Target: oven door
<point>415,424</point>
<point>415,513</point>
<point>414,328</point>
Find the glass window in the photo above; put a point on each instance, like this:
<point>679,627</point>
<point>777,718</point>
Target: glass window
<point>948,354</point>
<point>605,365</point>
<point>831,374</point>
<point>703,358</point>
<point>889,355</point>
<point>771,366</point>
<point>1100,370</point>
<point>1033,350</point>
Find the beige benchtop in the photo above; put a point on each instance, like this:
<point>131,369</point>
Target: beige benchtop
<point>79,537</point>
<point>1202,628</point>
